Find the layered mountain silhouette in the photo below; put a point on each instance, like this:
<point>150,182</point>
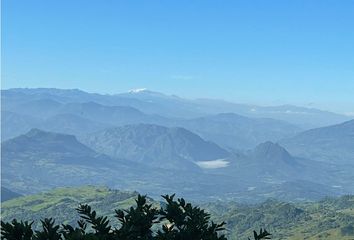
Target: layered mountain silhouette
<point>268,161</point>
<point>172,106</point>
<point>273,154</point>
<point>156,143</point>
<point>14,124</point>
<point>157,146</point>
<point>333,144</point>
<point>153,159</point>
<point>7,194</point>
<point>50,146</point>
<point>40,159</point>
<point>72,124</point>
<point>46,108</point>
<point>231,130</point>
<point>55,112</point>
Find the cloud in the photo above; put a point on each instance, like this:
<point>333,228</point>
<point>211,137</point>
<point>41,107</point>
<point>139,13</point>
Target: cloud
<point>351,114</point>
<point>219,163</point>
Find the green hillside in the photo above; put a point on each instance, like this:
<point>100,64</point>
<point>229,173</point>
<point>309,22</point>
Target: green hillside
<point>62,202</point>
<point>327,219</point>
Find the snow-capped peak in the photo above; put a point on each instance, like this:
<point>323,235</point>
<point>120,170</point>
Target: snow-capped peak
<point>137,90</point>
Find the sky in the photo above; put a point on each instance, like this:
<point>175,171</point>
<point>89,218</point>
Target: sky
<point>261,52</point>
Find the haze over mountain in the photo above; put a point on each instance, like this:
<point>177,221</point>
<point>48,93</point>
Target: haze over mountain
<point>234,131</point>
<point>7,194</point>
<point>303,117</point>
<point>40,160</point>
<point>210,153</point>
<point>270,163</point>
<point>173,106</point>
<point>79,118</point>
<point>243,108</point>
<point>228,130</point>
<point>55,146</point>
<point>140,155</point>
<point>333,144</point>
<point>158,146</point>
<point>273,154</point>
<point>71,118</point>
<point>44,108</point>
<point>15,124</point>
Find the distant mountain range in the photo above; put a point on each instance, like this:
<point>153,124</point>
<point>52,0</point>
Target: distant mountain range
<point>14,124</point>
<point>7,194</point>
<point>154,159</point>
<point>41,109</point>
<point>48,146</point>
<point>234,131</point>
<point>39,160</point>
<point>333,144</point>
<point>155,143</point>
<point>172,106</point>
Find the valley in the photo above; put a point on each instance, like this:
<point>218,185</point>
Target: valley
<point>65,138</point>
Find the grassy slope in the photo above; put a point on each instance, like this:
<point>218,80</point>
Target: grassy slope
<point>61,203</point>
<point>320,220</point>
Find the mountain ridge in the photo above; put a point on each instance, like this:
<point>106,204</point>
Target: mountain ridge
<point>172,106</point>
<point>333,143</point>
<point>153,143</point>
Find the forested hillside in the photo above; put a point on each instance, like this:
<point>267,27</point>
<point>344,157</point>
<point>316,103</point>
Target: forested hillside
<point>326,219</point>
<point>61,203</point>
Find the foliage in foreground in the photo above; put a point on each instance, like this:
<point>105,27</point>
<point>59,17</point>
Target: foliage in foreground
<point>178,220</point>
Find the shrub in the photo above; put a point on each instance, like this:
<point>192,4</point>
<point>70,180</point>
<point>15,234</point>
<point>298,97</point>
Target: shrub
<point>178,220</point>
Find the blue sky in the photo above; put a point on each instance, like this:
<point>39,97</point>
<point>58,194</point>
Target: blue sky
<point>265,52</point>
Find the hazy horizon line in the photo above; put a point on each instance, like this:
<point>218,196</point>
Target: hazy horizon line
<point>143,89</point>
